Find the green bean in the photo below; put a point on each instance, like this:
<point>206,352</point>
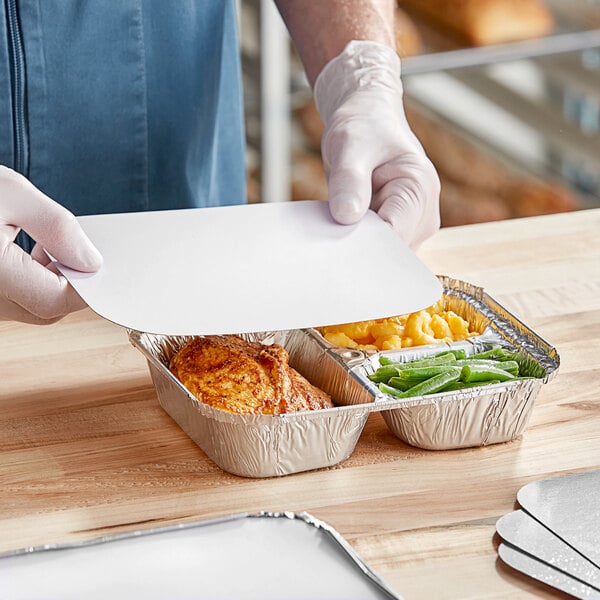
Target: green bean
<point>386,360</point>
<point>496,353</point>
<point>408,379</point>
<point>440,359</point>
<point>473,372</point>
<point>443,358</point>
<point>461,385</point>
<point>493,353</point>
<point>431,385</point>
<point>401,384</point>
<point>459,353</point>
<point>512,366</point>
<point>421,373</point>
<point>508,365</point>
<point>392,391</point>
<point>392,369</point>
<point>382,374</point>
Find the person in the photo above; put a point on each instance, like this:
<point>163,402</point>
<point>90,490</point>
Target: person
<point>137,105</point>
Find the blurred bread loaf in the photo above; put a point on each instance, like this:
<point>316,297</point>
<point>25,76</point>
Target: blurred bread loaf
<point>308,180</point>
<point>477,186</point>
<point>308,177</point>
<point>461,204</point>
<point>310,122</point>
<point>483,22</point>
<point>530,197</point>
<point>457,159</point>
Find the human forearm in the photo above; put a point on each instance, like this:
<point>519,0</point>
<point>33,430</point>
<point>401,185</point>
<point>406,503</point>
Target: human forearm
<point>371,157</point>
<point>321,29</point>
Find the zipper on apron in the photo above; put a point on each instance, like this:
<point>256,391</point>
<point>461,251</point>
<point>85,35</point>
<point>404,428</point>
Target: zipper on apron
<point>19,89</point>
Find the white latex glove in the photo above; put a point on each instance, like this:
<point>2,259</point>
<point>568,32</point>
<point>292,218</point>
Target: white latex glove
<point>371,156</point>
<point>30,290</point>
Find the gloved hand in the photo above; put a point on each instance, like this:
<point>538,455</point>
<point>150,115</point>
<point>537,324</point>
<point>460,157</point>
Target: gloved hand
<point>371,156</point>
<point>30,290</point>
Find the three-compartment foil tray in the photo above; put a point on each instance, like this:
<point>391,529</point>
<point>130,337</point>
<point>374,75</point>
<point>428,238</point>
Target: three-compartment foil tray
<point>271,445</point>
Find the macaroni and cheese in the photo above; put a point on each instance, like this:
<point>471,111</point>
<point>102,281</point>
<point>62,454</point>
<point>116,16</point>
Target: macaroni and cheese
<point>429,326</point>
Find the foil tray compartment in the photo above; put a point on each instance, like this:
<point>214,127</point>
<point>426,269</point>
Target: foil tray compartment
<point>471,417</point>
<point>483,313</point>
<point>467,418</point>
<point>266,445</point>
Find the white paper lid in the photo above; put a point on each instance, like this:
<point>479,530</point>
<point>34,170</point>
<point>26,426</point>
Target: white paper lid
<point>248,268</point>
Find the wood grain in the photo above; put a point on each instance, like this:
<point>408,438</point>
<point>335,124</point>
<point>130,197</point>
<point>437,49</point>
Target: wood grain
<point>85,449</point>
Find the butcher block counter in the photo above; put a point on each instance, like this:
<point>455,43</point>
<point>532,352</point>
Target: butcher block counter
<point>86,450</point>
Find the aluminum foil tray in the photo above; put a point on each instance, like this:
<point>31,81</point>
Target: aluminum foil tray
<point>293,556</point>
<point>267,445</point>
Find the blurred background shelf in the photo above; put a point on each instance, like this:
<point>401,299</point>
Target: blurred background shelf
<point>512,127</point>
<point>486,55</point>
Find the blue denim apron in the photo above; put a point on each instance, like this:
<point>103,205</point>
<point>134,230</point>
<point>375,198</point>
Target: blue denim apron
<point>123,105</point>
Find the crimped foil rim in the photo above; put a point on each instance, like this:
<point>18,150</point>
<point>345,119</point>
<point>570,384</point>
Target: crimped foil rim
<point>304,517</point>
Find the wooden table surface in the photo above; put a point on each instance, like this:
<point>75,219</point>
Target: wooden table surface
<point>85,449</point>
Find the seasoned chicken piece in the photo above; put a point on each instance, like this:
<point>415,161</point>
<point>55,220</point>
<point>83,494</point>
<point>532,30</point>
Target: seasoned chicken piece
<point>232,374</point>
